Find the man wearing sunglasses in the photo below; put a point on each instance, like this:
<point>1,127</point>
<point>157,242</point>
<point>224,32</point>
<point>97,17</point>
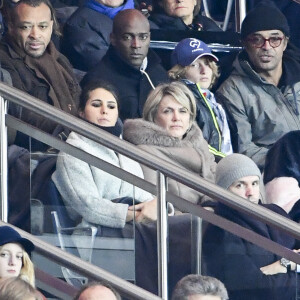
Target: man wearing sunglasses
<point>262,93</point>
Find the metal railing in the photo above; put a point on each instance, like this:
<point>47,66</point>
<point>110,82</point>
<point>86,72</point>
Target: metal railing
<point>167,169</point>
<point>86,269</point>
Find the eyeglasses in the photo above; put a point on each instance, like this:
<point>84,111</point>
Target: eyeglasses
<point>258,41</point>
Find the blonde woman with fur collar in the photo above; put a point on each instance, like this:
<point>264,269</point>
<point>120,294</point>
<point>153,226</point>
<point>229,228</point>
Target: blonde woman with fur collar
<point>168,130</point>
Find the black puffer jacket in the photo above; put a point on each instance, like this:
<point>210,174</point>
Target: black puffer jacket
<point>133,86</point>
<point>282,159</point>
<point>86,38</point>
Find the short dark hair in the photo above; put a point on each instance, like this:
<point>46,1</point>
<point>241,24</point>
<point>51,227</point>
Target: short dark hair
<point>36,3</point>
<point>97,283</point>
<point>199,285</point>
<point>96,84</point>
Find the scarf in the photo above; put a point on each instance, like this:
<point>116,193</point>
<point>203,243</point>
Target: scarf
<point>58,78</point>
<point>114,130</point>
<point>106,10</point>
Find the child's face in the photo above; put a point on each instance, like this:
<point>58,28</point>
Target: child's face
<point>200,72</point>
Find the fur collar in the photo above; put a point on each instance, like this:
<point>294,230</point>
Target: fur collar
<point>141,132</point>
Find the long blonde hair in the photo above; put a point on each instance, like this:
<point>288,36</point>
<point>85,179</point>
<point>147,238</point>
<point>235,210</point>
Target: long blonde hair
<point>27,270</point>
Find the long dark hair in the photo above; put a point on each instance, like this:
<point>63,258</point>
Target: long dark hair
<point>91,86</point>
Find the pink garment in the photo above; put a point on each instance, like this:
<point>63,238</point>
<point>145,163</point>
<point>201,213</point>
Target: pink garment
<point>283,191</point>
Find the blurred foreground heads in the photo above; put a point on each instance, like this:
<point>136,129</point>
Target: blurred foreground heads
<point>96,291</point>
<point>17,289</point>
<point>197,287</point>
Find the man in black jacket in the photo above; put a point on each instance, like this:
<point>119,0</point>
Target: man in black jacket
<point>129,64</point>
<point>247,270</point>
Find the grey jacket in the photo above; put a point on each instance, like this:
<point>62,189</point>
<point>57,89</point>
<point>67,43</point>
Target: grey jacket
<point>190,153</point>
<point>261,112</point>
<point>88,191</point>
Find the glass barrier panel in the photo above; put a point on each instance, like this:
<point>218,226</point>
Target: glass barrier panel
<point>130,251</point>
<point>66,212</point>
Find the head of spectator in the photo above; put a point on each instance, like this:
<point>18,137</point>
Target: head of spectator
<point>198,287</point>
<point>239,174</point>
<point>99,103</point>
<point>97,290</point>
<point>171,106</point>
<point>130,37</point>
<point>14,255</point>
<point>18,289</point>
<point>192,60</point>
<point>30,26</point>
<point>265,40</point>
<point>185,10</point>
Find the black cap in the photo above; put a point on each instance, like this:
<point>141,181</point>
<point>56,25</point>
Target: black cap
<point>9,235</point>
<point>264,16</point>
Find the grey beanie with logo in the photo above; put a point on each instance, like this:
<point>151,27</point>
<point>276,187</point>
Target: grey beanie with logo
<point>233,167</point>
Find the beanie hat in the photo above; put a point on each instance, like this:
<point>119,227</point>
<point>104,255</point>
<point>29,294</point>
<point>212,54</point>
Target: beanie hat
<point>9,235</point>
<point>189,50</point>
<point>233,167</point>
<point>264,16</point>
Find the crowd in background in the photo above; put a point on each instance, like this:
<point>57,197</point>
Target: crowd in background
<point>93,60</point>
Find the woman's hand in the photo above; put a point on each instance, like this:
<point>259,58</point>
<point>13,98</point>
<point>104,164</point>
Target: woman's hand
<point>130,215</point>
<point>144,212</point>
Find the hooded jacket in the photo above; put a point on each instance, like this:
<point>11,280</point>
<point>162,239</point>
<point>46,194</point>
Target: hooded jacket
<point>88,191</point>
<point>132,85</point>
<point>259,112</point>
<point>191,153</point>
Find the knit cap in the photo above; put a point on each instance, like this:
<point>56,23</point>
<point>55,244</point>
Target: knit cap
<point>233,167</point>
<point>264,16</point>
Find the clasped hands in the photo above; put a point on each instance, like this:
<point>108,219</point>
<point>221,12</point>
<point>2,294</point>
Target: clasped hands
<point>143,212</point>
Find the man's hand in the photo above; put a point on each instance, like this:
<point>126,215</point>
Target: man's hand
<point>274,268</point>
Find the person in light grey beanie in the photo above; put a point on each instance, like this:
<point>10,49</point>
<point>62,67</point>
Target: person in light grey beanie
<point>233,167</point>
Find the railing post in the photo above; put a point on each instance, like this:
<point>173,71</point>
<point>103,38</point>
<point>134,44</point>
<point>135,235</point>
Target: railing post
<point>240,13</point>
<point>162,236</point>
<point>3,161</point>
<point>196,244</point>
